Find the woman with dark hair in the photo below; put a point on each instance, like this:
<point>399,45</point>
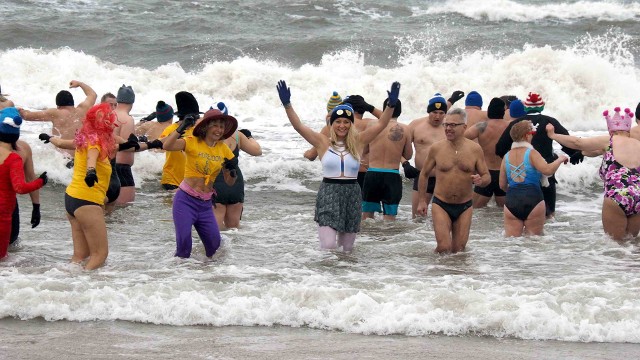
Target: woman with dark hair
<point>11,173</point>
<point>521,174</point>
<point>84,198</point>
<point>206,155</point>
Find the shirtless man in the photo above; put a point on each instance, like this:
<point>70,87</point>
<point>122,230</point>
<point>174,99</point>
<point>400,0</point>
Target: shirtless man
<point>382,182</point>
<point>110,99</point>
<point>66,118</point>
<point>458,163</point>
<point>488,132</point>
<point>424,132</point>
<point>473,107</point>
<point>124,159</point>
<point>152,130</point>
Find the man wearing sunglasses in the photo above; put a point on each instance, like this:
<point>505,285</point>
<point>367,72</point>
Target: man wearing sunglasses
<point>458,164</point>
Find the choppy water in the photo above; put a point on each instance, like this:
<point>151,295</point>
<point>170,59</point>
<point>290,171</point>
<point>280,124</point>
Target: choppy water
<point>572,284</point>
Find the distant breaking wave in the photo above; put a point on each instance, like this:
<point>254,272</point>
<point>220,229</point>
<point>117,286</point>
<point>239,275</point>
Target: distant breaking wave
<point>500,10</point>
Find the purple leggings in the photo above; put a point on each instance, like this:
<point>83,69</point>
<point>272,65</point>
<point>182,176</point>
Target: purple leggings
<point>189,211</point>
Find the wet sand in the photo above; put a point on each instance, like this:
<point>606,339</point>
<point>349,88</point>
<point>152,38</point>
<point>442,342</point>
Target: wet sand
<point>40,339</point>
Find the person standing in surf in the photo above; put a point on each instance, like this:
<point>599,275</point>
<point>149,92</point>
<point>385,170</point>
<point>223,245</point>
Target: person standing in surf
<point>339,198</point>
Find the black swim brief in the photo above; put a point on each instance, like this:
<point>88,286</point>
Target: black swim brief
<point>453,210</point>
<point>493,188</point>
<point>72,204</point>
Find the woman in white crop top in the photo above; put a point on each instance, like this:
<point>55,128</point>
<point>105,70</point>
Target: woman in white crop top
<point>338,202</point>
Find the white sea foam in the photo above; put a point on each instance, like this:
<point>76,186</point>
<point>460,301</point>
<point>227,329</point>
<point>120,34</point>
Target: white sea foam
<point>500,10</point>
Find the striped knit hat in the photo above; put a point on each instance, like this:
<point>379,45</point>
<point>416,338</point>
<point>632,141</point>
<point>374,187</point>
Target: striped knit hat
<point>533,103</point>
<point>334,101</point>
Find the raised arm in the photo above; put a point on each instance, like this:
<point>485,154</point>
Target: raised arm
<point>371,132</point>
<point>574,142</point>
<point>316,139</point>
<point>90,95</point>
<point>248,144</point>
<point>173,142</point>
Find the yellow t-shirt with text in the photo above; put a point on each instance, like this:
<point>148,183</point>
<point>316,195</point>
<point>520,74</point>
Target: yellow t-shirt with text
<point>204,161</point>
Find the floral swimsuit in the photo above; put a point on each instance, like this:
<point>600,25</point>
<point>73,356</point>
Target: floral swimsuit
<point>621,184</point>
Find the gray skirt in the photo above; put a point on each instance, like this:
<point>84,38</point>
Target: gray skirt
<point>339,206</point>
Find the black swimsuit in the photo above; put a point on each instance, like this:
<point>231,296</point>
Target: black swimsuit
<point>453,210</point>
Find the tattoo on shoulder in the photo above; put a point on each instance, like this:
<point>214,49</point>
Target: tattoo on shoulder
<point>396,133</point>
<point>482,126</point>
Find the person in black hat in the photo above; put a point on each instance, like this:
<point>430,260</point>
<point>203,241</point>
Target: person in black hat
<point>66,117</point>
<point>152,130</point>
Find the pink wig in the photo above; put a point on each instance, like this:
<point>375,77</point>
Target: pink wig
<point>97,129</point>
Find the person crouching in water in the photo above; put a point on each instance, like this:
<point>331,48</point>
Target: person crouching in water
<point>206,155</point>
<point>94,145</point>
<point>521,173</point>
<point>11,173</point>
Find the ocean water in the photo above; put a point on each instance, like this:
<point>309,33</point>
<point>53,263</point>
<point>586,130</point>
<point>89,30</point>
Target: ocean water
<point>573,284</point>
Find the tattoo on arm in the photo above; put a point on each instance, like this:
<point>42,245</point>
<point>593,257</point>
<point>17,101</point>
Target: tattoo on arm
<point>481,126</point>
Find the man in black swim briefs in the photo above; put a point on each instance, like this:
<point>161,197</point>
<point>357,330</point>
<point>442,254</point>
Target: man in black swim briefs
<point>458,164</point>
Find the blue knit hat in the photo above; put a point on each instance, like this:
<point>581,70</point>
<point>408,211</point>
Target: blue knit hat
<point>164,111</point>
<point>437,102</point>
<point>473,99</point>
<point>10,121</point>
<point>516,109</point>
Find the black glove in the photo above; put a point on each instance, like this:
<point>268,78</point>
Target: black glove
<point>149,117</point>
<point>35,215</point>
<point>134,140</point>
<point>231,165</point>
<point>44,178</point>
<point>187,122</point>
<point>143,138</point>
<point>155,144</point>
<point>45,137</point>
<point>409,171</point>
<point>576,158</point>
<point>246,133</point>
<point>358,104</point>
<point>457,95</point>
<point>91,177</point>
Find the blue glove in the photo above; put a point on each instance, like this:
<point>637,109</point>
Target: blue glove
<point>284,93</point>
<point>393,94</point>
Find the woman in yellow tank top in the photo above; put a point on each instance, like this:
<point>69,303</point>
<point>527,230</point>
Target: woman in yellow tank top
<point>206,155</point>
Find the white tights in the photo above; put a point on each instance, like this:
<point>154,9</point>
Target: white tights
<point>332,239</point>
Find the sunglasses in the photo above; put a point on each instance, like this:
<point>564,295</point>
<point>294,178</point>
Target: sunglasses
<point>451,125</point>
<point>341,112</point>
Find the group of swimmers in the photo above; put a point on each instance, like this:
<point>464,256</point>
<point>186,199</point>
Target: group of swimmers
<point>463,158</point>
<point>200,166</point>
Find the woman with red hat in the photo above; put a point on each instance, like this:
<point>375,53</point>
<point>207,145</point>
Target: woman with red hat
<point>206,155</point>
